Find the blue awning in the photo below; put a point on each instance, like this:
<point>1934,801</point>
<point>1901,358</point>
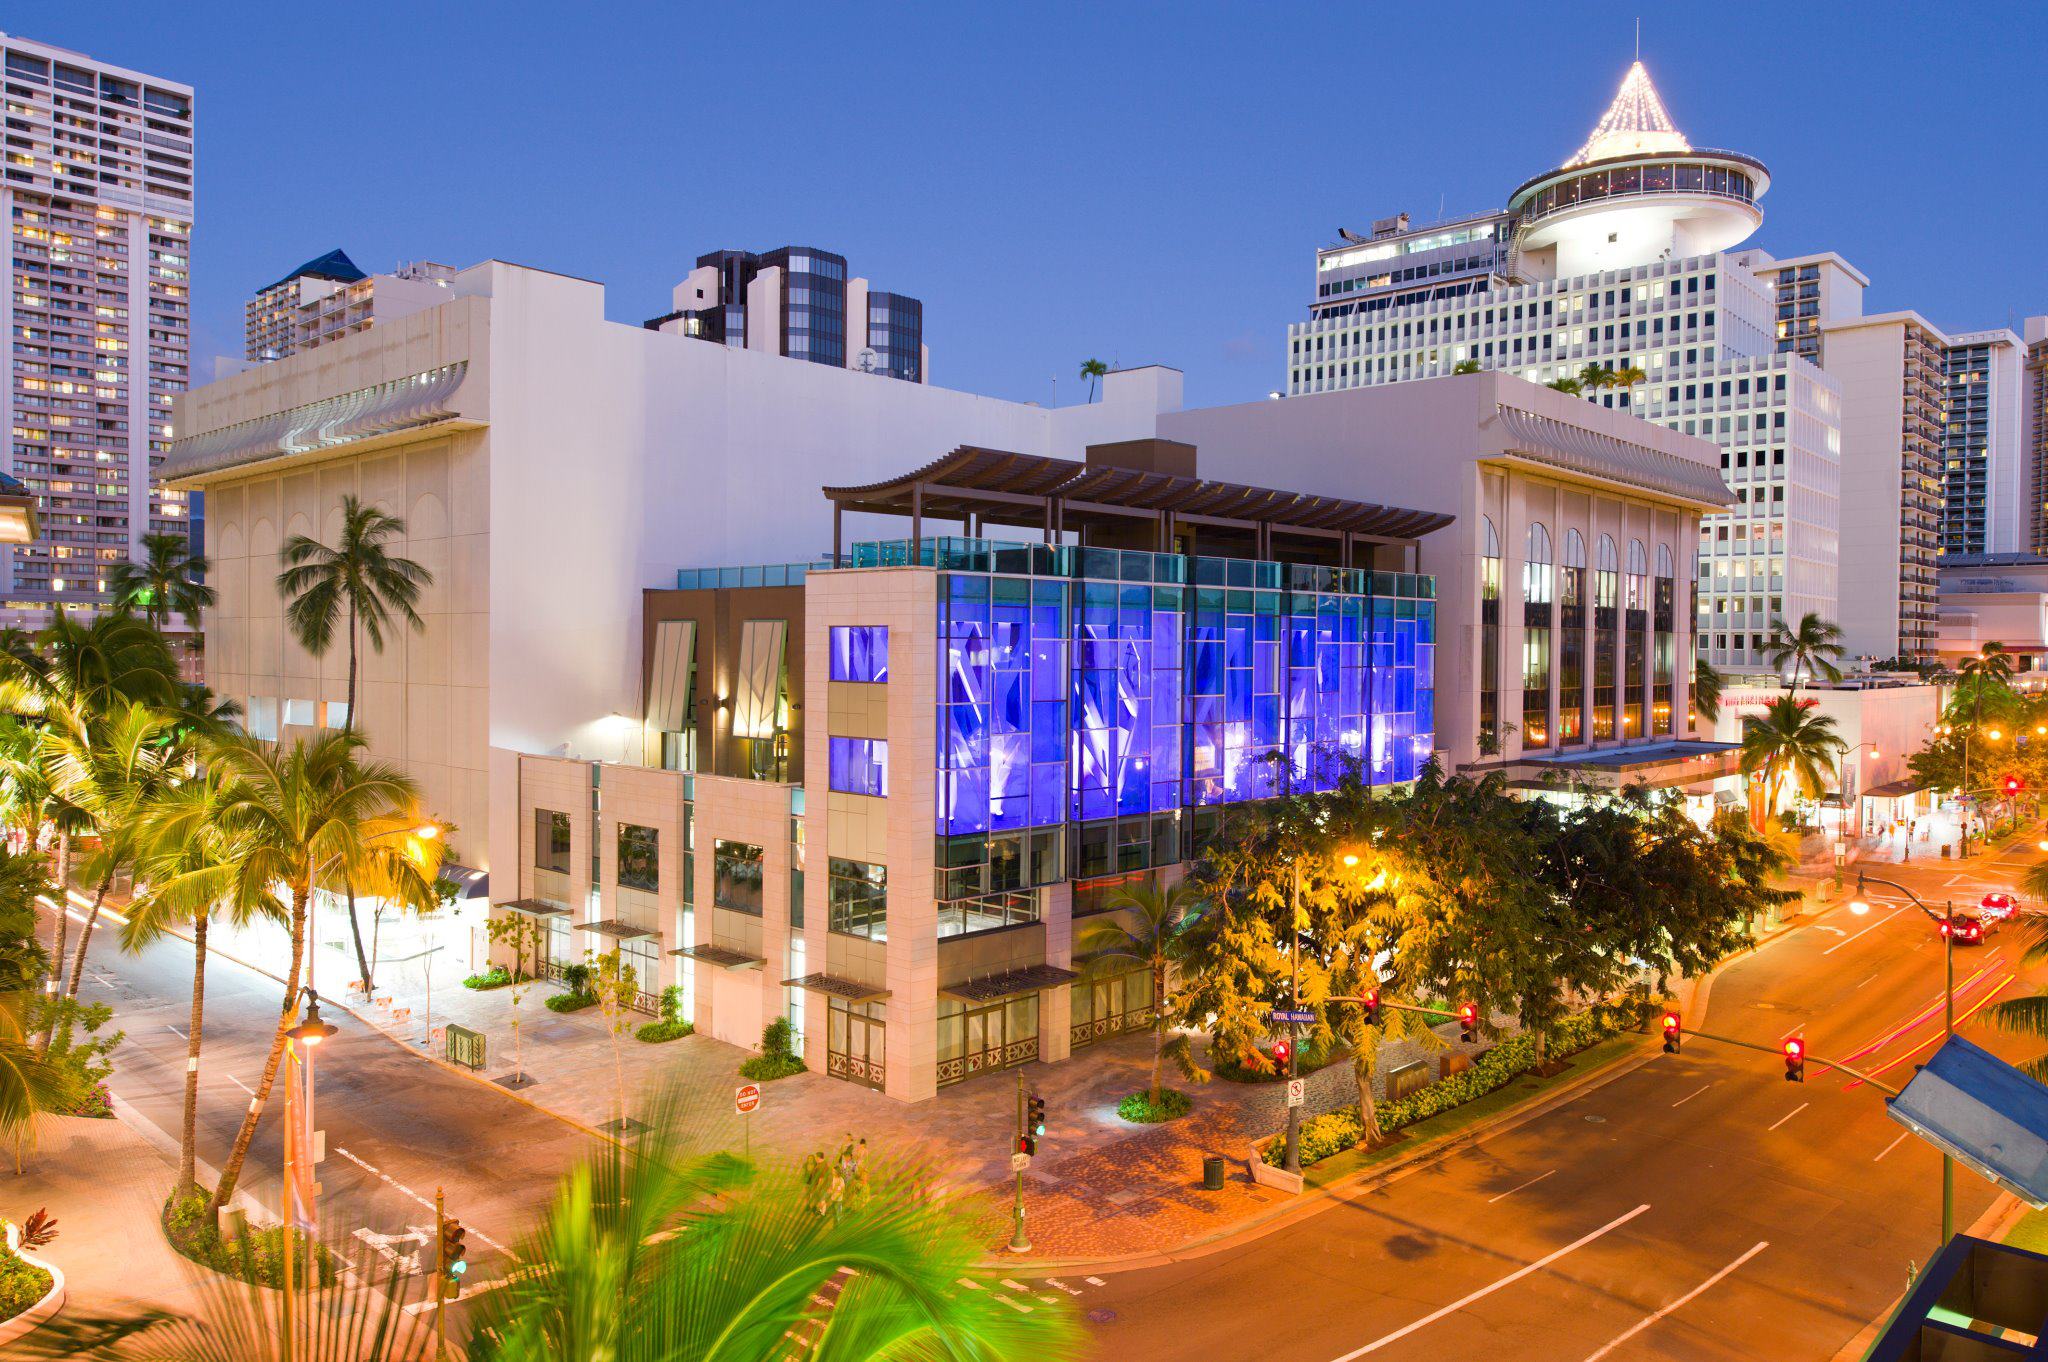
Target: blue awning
<point>1969,1103</point>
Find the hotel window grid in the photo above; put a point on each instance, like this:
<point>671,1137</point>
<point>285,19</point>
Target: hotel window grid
<point>1536,634</point>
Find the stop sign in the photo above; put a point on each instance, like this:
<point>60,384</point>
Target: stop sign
<point>746,1097</point>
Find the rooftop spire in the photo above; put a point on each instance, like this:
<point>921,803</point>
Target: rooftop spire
<point>1634,123</point>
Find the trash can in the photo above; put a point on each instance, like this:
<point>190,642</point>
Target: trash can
<point>1212,1173</point>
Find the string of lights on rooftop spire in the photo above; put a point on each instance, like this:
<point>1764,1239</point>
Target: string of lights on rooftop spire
<point>1634,124</point>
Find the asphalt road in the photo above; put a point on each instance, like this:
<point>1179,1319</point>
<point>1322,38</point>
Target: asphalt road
<point>396,1126</point>
<point>1698,1207</point>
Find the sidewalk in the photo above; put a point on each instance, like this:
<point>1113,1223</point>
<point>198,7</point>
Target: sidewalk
<point>103,1183</point>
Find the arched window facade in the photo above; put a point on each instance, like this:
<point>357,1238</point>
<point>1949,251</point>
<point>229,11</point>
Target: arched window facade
<point>1663,642</point>
<point>1489,636</point>
<point>1571,650</point>
<point>1635,641</point>
<point>1536,625</point>
<point>1606,638</point>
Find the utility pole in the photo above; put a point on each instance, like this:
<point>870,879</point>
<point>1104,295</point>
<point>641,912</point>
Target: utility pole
<point>440,1273</point>
<point>1293,1159</point>
<point>1018,1243</point>
<point>1948,1029</point>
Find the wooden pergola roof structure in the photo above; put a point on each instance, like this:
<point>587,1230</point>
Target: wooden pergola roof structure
<point>998,487</point>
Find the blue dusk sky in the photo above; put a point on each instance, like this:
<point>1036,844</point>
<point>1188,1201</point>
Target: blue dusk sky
<point>1139,183</point>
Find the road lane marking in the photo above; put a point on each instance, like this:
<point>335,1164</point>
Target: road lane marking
<point>1647,1320</point>
<point>1938,1036</point>
<point>1689,1096</point>
<point>1848,940</point>
<point>1016,1285</point>
<point>1926,1012</point>
<point>1095,1281</point>
<point>1874,976</point>
<point>970,1283</point>
<point>176,1032</point>
<point>240,1084</point>
<point>1893,1145</point>
<point>1545,1261</point>
<point>1512,1190</point>
<point>1054,1281</point>
<point>1018,1306</point>
<point>390,1181</point>
<point>1788,1116</point>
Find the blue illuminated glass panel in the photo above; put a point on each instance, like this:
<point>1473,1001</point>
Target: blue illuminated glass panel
<point>860,652</point>
<point>860,766</point>
<point>1110,688</point>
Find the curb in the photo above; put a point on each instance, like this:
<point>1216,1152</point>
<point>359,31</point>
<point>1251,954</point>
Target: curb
<point>1314,1201</point>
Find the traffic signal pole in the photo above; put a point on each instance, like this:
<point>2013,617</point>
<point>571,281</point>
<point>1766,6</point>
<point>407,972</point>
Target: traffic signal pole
<point>440,1274</point>
<point>1947,921</point>
<point>1292,1162</point>
<point>1018,1243</point>
<point>1807,1055</point>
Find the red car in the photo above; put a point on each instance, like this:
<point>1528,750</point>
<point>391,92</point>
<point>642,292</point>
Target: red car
<point>1998,905</point>
<point>1971,929</point>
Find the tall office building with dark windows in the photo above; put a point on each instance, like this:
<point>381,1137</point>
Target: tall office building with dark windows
<point>799,301</point>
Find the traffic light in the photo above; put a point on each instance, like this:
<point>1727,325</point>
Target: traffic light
<point>1034,1116</point>
<point>1673,1031</point>
<point>2013,785</point>
<point>1795,1060</point>
<point>1372,1008</point>
<point>1027,1144</point>
<point>1283,1049</point>
<point>454,1258</point>
<point>1468,1021</point>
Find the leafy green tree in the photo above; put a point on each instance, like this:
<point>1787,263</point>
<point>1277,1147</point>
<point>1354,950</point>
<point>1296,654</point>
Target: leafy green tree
<point>1094,370</point>
<point>359,586</point>
<point>31,1080</point>
<point>1788,740</point>
<point>1465,366</point>
<point>1144,932</point>
<point>1596,376</point>
<point>297,819</point>
<point>522,933</point>
<point>165,583</point>
<point>1813,647</point>
<point>616,985</point>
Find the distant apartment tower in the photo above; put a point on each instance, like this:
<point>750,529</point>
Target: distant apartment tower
<point>1984,496</point>
<point>798,301</point>
<point>98,199</point>
<point>2034,431</point>
<point>329,297</point>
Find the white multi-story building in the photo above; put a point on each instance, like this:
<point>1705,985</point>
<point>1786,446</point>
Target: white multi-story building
<point>1984,497</point>
<point>330,297</point>
<point>1622,259</point>
<point>97,198</point>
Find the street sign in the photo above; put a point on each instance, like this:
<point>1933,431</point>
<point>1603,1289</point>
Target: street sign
<point>1297,1091</point>
<point>1019,1162</point>
<point>1279,1015</point>
<point>746,1097</point>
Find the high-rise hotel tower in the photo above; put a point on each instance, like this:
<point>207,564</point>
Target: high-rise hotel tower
<point>1624,270</point>
<point>97,193</point>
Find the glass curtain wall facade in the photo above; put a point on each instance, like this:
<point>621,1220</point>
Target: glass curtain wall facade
<point>813,304</point>
<point>1571,650</point>
<point>895,332</point>
<point>1664,643</point>
<point>1096,705</point>
<point>1635,672</point>
<point>1489,637</point>
<point>1606,603</point>
<point>1536,626</point>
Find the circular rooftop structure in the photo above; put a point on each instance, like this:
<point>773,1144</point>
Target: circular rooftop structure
<point>1638,192</point>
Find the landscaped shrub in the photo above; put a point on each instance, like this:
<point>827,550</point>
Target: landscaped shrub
<point>665,1030</point>
<point>1322,1136</point>
<point>21,1284</point>
<point>252,1257</point>
<point>95,1102</point>
<point>1138,1108</point>
<point>1308,1059</point>
<point>497,976</point>
<point>577,977</point>
<point>569,1002</point>
<point>777,1059</point>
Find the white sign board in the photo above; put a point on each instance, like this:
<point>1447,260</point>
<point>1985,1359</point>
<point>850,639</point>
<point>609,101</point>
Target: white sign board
<point>746,1097</point>
<point>1019,1162</point>
<point>1297,1091</point>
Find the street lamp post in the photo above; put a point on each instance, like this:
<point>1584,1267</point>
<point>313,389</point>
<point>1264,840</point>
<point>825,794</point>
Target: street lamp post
<point>1947,921</point>
<point>1842,814</point>
<point>1293,1160</point>
<point>305,1038</point>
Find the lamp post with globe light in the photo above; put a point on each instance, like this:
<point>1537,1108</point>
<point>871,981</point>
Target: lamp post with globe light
<point>305,1038</point>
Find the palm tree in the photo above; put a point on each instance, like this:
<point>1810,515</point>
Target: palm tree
<point>165,583</point>
<point>1813,647</point>
<point>33,806</point>
<point>1626,377</point>
<point>1706,690</point>
<point>1092,370</point>
<point>1569,386</point>
<point>189,848</point>
<point>1595,376</point>
<point>30,1081</point>
<point>1788,739</point>
<point>1144,934</point>
<point>294,820</point>
<point>110,770</point>
<point>361,580</point>
<point>1465,366</point>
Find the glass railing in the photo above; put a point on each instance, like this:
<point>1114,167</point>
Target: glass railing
<point>766,574</point>
<point>1026,559</point>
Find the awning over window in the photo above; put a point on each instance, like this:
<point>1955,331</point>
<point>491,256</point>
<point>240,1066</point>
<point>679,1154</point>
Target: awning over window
<point>418,400</point>
<point>1008,984</point>
<point>618,931</point>
<point>1895,789</point>
<point>850,990</point>
<point>471,883</point>
<point>758,686</point>
<point>671,687</point>
<point>720,956</point>
<point>534,908</point>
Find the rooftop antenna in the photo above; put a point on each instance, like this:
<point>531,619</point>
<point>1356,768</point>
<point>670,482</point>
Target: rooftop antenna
<point>1639,37</point>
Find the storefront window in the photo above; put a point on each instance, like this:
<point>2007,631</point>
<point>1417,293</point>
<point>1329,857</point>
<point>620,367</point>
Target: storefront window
<point>1110,1006</point>
<point>639,858</point>
<point>1571,660</point>
<point>1536,615</point>
<point>1606,641</point>
<point>979,1037</point>
<point>1489,638</point>
<point>736,876</point>
<point>859,899</point>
